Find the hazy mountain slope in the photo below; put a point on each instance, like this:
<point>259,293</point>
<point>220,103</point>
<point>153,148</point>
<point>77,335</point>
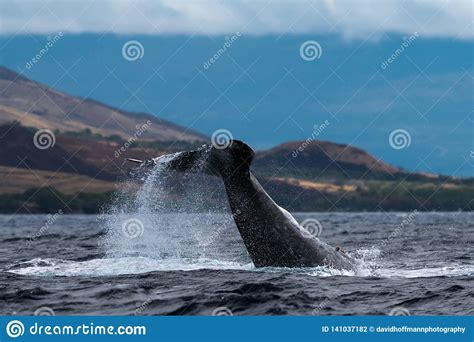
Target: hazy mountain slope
<point>37,105</point>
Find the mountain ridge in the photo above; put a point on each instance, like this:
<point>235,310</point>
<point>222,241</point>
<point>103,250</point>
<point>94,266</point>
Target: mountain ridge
<point>88,163</point>
<point>38,105</point>
<point>320,158</point>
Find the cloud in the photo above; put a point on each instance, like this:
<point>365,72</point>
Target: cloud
<point>359,19</point>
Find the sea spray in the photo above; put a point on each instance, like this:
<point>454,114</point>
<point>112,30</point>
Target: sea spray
<point>171,216</point>
<point>367,261</point>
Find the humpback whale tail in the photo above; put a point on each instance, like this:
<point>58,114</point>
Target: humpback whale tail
<point>209,159</point>
<point>271,234</point>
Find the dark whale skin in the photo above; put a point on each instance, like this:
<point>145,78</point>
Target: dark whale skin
<point>271,235</point>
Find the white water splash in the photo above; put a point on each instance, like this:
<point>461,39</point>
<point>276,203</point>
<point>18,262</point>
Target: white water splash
<point>118,266</point>
<point>184,217</point>
<point>450,270</point>
<point>139,265</point>
<point>367,261</point>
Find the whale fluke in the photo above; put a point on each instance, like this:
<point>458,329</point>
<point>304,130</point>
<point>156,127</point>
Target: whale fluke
<point>271,235</point>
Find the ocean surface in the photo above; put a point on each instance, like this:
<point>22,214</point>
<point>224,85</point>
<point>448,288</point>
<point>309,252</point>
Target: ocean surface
<point>196,264</point>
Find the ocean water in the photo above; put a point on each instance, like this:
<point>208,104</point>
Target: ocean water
<point>168,245</point>
<point>196,264</point>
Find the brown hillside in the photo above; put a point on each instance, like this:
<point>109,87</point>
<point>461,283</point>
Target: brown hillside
<point>321,159</point>
<point>36,105</point>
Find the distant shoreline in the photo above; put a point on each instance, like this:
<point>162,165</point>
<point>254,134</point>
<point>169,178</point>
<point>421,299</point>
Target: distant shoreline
<point>50,201</point>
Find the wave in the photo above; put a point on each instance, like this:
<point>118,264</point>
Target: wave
<point>169,225</point>
<point>138,265</point>
<point>117,266</point>
<point>453,270</point>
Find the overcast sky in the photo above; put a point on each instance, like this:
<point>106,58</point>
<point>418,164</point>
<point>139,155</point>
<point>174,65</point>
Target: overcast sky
<point>351,19</point>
